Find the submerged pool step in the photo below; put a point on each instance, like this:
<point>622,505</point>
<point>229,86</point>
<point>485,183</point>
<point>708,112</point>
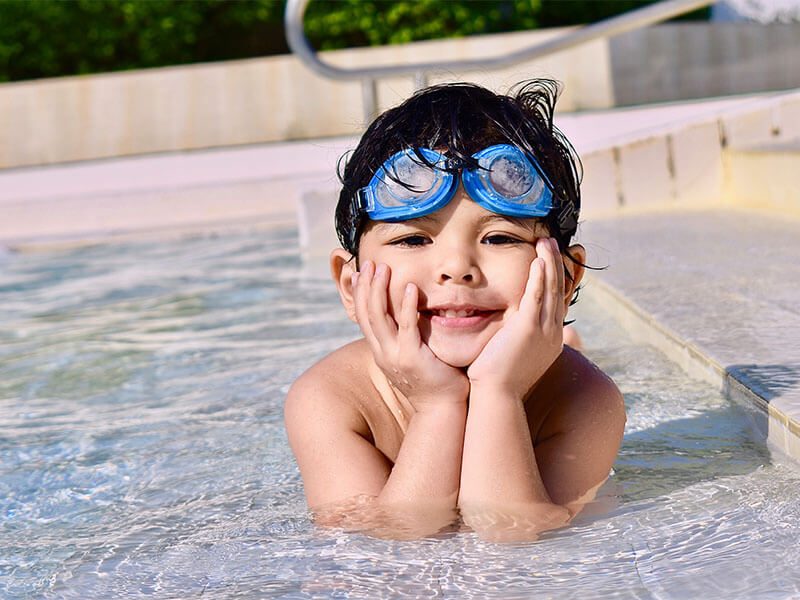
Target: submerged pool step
<point>716,291</point>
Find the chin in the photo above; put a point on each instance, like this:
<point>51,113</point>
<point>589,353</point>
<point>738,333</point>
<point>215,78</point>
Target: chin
<point>456,357</point>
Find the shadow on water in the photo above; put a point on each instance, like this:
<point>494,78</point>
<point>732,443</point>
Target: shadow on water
<point>768,381</point>
<point>680,453</point>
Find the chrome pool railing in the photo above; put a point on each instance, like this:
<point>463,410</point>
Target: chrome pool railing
<point>635,19</point>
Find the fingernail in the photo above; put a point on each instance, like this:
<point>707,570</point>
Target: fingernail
<point>380,270</point>
<point>353,279</point>
<point>409,288</point>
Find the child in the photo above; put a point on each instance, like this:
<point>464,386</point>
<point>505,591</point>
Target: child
<point>461,400</point>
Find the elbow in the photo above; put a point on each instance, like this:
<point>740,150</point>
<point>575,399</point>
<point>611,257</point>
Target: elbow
<point>515,524</point>
<point>400,521</point>
<point>370,516</point>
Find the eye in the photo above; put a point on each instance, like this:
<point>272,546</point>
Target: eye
<point>411,241</point>
<point>497,239</point>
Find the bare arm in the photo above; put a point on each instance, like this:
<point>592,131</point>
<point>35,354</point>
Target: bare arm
<point>502,495</point>
<point>350,483</point>
<point>513,490</point>
<point>420,490</point>
<point>507,485</point>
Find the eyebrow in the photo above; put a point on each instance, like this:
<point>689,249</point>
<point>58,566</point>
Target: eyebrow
<point>389,226</point>
<point>534,224</point>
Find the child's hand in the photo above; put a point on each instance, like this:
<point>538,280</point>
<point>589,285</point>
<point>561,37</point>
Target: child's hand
<point>532,338</point>
<point>399,351</point>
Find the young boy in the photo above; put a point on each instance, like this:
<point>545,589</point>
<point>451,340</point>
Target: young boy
<point>461,400</point>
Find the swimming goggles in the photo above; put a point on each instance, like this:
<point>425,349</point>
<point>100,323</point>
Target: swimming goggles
<point>507,181</point>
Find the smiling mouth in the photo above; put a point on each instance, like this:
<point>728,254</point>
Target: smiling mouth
<point>449,313</point>
<point>460,318</point>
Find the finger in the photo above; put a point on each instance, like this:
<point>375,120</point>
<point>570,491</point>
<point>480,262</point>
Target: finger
<point>561,286</point>
<point>408,319</point>
<point>363,281</point>
<point>533,296</point>
<point>552,296</point>
<point>383,325</point>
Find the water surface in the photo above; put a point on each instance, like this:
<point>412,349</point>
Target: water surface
<point>143,454</point>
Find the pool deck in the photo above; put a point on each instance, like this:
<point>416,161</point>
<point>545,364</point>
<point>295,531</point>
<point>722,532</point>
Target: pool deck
<point>716,290</point>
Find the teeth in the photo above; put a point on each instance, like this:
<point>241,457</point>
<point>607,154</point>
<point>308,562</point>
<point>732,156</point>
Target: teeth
<point>452,314</point>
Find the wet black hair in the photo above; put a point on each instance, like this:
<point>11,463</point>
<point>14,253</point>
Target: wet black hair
<point>459,119</point>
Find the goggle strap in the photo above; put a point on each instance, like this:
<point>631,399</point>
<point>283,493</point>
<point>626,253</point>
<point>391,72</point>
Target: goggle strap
<point>363,200</point>
<point>566,217</point>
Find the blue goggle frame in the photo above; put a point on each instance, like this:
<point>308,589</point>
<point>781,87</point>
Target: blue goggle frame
<point>508,182</point>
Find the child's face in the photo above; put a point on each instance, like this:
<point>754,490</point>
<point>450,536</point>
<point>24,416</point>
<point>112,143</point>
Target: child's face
<point>470,266</point>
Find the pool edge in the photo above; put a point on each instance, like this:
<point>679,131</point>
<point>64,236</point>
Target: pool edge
<point>778,429</point>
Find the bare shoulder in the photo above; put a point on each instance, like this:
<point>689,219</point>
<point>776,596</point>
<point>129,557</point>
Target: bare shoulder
<point>326,395</point>
<point>581,395</point>
<point>579,437</point>
<point>329,432</point>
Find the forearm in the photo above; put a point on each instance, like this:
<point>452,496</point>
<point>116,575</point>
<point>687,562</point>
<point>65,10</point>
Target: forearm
<point>419,496</point>
<point>428,467</point>
<point>500,480</point>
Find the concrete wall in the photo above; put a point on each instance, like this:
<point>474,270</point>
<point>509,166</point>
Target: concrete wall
<point>252,101</point>
<point>696,60</point>
<point>277,98</point>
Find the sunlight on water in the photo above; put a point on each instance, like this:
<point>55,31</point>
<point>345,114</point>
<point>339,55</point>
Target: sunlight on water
<point>142,450</point>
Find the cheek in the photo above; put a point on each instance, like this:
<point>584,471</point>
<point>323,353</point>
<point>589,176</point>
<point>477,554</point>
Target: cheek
<point>397,287</point>
<point>512,281</point>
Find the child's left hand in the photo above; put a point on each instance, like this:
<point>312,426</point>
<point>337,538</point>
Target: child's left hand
<point>531,339</point>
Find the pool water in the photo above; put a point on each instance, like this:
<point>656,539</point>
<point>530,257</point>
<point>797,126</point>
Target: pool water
<point>143,454</point>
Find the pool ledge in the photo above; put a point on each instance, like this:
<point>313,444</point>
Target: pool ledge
<point>715,295</point>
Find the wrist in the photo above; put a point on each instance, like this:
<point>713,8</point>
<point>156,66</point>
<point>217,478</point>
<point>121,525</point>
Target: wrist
<point>452,409</point>
<point>495,392</point>
<point>430,398</point>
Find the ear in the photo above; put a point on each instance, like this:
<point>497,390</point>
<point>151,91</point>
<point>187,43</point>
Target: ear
<point>576,271</point>
<point>343,265</point>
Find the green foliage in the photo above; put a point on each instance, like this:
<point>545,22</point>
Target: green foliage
<point>347,23</point>
<point>47,38</point>
<point>558,13</point>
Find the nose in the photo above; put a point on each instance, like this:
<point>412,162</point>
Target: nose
<point>458,267</point>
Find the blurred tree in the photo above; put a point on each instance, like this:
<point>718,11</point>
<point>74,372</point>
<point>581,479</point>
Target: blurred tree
<point>47,38</point>
<point>347,23</point>
<point>558,13</point>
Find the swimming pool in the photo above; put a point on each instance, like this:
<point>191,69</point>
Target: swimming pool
<point>142,449</point>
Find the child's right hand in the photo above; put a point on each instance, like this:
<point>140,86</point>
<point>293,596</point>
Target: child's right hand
<point>397,347</point>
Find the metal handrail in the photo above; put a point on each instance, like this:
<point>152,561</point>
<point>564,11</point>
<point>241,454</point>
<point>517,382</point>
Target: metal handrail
<point>635,19</point>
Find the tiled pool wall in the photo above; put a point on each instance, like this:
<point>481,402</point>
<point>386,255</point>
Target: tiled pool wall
<point>697,160</point>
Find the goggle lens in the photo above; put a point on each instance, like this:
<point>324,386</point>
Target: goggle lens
<point>511,177</point>
<point>407,181</point>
